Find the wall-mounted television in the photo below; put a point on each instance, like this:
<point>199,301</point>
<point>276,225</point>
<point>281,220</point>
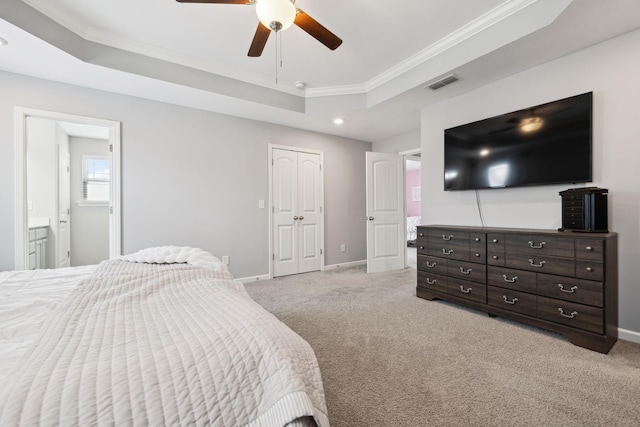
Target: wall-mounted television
<point>547,144</point>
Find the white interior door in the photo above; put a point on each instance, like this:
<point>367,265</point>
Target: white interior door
<point>285,216</point>
<point>309,212</point>
<point>297,212</point>
<point>64,209</point>
<point>386,237</point>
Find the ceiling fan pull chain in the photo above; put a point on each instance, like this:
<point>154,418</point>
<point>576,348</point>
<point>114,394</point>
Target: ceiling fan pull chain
<point>276,57</point>
<point>280,35</point>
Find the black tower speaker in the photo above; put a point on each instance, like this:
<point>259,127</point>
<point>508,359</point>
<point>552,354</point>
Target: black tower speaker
<point>585,209</point>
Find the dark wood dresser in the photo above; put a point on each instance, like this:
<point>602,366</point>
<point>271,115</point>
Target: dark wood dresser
<point>566,282</point>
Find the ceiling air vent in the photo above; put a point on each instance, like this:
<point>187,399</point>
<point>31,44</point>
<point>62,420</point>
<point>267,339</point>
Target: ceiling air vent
<point>447,80</point>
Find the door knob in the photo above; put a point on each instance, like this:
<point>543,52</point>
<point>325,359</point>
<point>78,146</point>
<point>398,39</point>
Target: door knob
<point>370,218</point>
<point>301,218</point>
<point>295,218</point>
<point>63,221</point>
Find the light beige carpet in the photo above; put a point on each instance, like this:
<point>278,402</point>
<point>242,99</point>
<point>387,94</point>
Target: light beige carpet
<point>389,358</point>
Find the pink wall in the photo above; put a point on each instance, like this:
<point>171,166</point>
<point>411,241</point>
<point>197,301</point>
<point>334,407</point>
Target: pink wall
<point>413,180</point>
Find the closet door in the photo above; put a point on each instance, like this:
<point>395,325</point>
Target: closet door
<point>309,212</point>
<point>297,212</point>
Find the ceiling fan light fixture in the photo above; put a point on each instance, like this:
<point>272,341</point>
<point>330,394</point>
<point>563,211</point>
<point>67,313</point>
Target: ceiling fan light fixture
<point>276,14</point>
<point>531,124</point>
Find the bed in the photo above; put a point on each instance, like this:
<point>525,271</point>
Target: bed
<point>161,337</point>
<point>412,228</point>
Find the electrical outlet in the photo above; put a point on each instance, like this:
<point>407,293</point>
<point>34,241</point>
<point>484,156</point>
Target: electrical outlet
<point>225,259</point>
<point>343,248</point>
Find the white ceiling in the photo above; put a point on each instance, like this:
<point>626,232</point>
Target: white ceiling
<point>196,54</point>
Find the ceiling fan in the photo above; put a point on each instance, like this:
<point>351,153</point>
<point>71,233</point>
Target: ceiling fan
<point>278,15</point>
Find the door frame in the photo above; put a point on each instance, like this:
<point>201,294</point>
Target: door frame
<point>270,148</point>
<point>21,254</point>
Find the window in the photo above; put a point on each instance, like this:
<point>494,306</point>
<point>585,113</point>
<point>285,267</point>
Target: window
<point>95,178</point>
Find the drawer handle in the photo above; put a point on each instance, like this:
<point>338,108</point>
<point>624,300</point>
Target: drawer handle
<point>463,271</point>
<point>534,246</point>
<point>421,247</point>
<point>477,255</point>
<point>570,291</point>
<point>449,237</point>
<point>533,264</point>
<point>513,301</point>
<point>589,269</point>
<point>588,248</point>
<point>495,257</point>
<point>447,252</point>
<point>421,234</point>
<point>495,240</point>
<point>430,264</point>
<point>477,239</point>
<point>466,291</point>
<point>431,282</point>
<point>568,316</point>
<point>506,279</point>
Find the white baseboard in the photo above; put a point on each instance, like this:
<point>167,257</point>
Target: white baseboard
<point>346,264</point>
<point>627,335</point>
<point>254,278</point>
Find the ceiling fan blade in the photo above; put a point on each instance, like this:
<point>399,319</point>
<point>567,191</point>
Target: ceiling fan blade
<point>316,30</point>
<point>259,40</point>
<point>217,1</point>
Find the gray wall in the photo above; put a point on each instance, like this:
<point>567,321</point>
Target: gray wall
<point>191,177</point>
<point>611,71</point>
<point>89,223</point>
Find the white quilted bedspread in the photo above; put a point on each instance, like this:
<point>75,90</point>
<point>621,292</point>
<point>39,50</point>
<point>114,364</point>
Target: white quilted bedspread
<point>163,344</point>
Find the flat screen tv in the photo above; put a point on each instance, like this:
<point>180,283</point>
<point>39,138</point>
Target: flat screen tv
<point>546,144</point>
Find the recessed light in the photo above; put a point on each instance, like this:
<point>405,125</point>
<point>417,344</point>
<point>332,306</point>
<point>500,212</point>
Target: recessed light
<point>338,120</point>
<point>3,42</point>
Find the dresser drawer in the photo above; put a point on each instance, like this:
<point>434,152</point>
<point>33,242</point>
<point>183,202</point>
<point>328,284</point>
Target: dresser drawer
<point>518,280</point>
<point>468,290</point>
<point>577,224</point>
<point>577,209</point>
<point>432,264</point>
<point>591,270</point>
<point>467,271</point>
<point>444,235</point>
<point>571,289</point>
<point>572,202</point>
<point>541,264</point>
<point>449,250</point>
<point>571,314</point>
<point>432,282</point>
<point>540,245</point>
<point>508,299</point>
<point>592,249</point>
<point>573,216</point>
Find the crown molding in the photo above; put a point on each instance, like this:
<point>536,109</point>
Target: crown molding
<point>465,32</point>
<point>493,17</point>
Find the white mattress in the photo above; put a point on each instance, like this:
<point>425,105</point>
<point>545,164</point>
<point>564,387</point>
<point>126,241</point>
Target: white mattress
<point>26,299</point>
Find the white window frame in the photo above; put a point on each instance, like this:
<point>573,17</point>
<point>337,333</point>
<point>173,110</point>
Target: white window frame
<point>84,201</point>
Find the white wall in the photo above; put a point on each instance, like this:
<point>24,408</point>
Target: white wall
<point>191,177</point>
<point>611,71</point>
<point>398,143</point>
<point>89,223</point>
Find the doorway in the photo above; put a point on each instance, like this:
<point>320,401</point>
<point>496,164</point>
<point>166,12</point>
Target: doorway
<point>58,132</point>
<point>413,202</point>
